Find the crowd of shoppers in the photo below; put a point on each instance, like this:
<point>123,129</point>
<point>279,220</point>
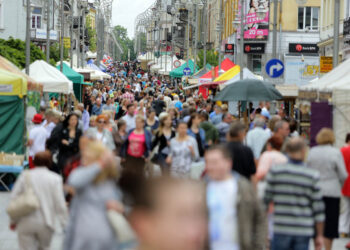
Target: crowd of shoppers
<point>261,187</point>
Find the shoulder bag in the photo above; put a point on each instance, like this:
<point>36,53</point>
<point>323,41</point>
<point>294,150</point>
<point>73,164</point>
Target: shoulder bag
<point>25,203</point>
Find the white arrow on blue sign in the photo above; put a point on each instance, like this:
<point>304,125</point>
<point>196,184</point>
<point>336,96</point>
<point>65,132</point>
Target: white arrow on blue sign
<point>187,71</point>
<point>274,68</point>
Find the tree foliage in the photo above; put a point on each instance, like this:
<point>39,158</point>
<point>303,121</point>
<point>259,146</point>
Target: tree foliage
<point>212,58</point>
<point>55,52</point>
<point>14,51</point>
<point>91,34</point>
<point>125,42</point>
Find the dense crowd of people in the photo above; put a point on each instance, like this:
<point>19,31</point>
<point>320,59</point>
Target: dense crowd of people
<point>132,148</point>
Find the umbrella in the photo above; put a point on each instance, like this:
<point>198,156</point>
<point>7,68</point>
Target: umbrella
<point>249,90</point>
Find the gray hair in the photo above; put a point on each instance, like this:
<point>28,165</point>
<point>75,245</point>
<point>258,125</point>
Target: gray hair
<point>279,125</point>
<point>295,145</point>
<point>259,122</point>
<point>236,128</point>
<point>80,105</point>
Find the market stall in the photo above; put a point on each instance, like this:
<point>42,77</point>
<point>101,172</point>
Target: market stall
<point>35,89</point>
<point>195,78</point>
<point>76,78</point>
<point>331,89</point>
<point>97,74</point>
<point>50,77</point>
<point>178,72</point>
<point>13,89</point>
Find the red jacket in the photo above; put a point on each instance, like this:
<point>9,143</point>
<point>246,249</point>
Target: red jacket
<point>346,155</point>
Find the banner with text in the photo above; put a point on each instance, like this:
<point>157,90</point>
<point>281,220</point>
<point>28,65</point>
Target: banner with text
<point>301,70</point>
<point>255,28</point>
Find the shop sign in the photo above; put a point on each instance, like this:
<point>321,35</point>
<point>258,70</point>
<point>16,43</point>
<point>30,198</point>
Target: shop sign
<point>229,48</point>
<point>41,34</point>
<point>307,95</point>
<point>326,64</point>
<point>303,48</point>
<point>325,96</point>
<point>254,48</point>
<point>301,70</point>
<point>66,42</point>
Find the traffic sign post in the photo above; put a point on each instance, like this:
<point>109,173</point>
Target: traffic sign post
<point>187,71</point>
<point>274,68</point>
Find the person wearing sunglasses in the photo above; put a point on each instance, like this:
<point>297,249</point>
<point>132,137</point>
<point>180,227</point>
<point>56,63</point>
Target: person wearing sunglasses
<point>101,133</point>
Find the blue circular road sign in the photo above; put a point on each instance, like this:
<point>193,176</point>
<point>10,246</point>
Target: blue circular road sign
<point>274,68</point>
<point>187,71</point>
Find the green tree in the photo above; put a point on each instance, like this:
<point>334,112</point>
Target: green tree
<point>143,41</point>
<point>55,53</point>
<point>212,58</point>
<point>91,35</point>
<point>125,42</point>
<point>14,51</point>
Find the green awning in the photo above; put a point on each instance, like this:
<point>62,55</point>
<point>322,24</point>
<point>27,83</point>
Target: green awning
<point>11,124</point>
<point>71,74</point>
<point>178,72</point>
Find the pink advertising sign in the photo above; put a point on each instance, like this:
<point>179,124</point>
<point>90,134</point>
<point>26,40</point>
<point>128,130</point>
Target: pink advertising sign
<point>255,28</point>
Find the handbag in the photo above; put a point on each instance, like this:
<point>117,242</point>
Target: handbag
<point>25,203</point>
<point>121,227</point>
<point>155,154</point>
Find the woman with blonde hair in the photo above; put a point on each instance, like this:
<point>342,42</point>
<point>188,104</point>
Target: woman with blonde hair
<point>162,138</point>
<point>329,162</point>
<point>94,186</point>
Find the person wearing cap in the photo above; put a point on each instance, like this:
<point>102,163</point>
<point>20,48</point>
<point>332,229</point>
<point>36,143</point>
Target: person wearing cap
<point>37,138</point>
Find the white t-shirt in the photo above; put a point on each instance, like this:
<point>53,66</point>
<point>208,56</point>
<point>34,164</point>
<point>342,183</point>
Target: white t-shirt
<point>130,122</point>
<point>221,200</point>
<point>50,127</point>
<point>39,135</point>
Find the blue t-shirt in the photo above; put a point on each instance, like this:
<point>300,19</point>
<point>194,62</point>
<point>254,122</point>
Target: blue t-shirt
<point>178,105</point>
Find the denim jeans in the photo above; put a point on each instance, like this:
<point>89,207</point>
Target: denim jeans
<point>289,242</point>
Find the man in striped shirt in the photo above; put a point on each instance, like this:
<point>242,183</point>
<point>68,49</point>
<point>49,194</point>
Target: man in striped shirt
<point>294,197</point>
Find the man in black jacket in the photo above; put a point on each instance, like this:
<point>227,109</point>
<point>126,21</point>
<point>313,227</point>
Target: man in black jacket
<point>242,156</point>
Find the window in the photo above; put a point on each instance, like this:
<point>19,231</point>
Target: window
<point>308,18</point>
<point>256,62</point>
<point>36,18</point>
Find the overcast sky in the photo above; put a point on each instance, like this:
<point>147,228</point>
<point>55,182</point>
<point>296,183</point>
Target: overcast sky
<point>125,12</point>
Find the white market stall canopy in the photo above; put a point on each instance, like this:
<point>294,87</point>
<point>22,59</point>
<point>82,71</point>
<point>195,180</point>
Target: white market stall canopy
<point>51,78</point>
<point>146,57</point>
<point>336,82</point>
<point>97,74</point>
<point>337,77</point>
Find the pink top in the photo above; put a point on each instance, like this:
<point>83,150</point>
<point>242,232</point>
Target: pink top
<point>137,145</point>
<point>267,160</point>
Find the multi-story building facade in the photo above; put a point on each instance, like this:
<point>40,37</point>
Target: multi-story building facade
<point>13,20</point>
<point>298,33</point>
<point>327,29</point>
<point>75,14</point>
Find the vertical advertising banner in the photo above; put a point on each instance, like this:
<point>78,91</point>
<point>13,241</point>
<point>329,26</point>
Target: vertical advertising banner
<point>255,28</point>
